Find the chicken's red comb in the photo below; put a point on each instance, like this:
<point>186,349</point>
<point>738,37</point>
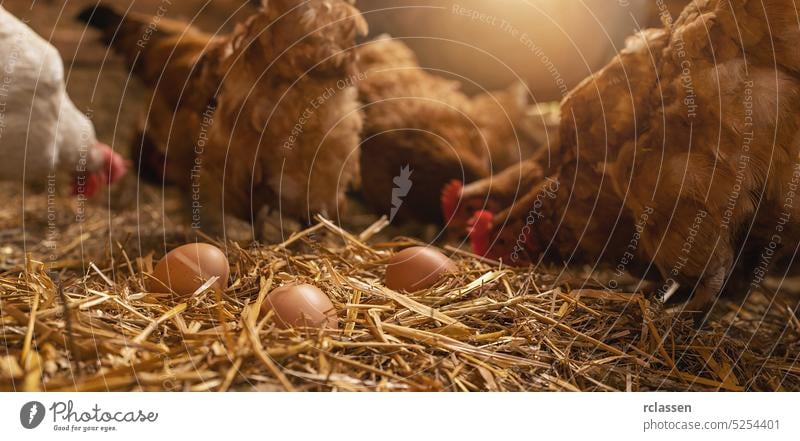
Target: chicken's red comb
<point>479,230</point>
<point>451,195</point>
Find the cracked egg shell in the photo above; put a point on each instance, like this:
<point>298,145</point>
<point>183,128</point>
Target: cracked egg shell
<point>416,268</point>
<point>301,305</point>
<point>186,268</point>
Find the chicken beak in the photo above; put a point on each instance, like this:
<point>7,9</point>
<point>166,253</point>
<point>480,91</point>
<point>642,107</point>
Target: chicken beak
<point>114,166</point>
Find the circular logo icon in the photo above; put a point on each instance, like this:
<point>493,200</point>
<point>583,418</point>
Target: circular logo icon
<point>31,414</point>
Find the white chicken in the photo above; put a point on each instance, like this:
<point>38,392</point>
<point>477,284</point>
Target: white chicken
<point>41,130</point>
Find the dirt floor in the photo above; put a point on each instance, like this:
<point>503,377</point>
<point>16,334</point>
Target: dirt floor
<point>747,346</point>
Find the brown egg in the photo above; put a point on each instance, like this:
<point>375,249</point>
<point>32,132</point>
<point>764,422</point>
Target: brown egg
<point>186,268</point>
<point>417,268</point>
<point>301,305</point>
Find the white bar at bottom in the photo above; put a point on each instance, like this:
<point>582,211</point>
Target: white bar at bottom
<point>397,416</point>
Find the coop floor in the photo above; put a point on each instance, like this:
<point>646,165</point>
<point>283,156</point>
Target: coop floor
<point>485,328</point>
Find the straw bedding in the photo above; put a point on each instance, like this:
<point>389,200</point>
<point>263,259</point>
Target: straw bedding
<point>74,316</point>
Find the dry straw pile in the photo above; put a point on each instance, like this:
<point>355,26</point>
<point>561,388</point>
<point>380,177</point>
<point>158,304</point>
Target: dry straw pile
<point>85,323</point>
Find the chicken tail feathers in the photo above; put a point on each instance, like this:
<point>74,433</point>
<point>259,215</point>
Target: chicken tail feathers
<point>159,50</point>
<point>117,30</point>
<point>100,16</point>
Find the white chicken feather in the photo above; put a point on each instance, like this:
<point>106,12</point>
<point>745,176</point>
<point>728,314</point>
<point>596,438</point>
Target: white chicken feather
<point>41,129</point>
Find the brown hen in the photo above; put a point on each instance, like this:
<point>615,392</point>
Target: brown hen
<point>266,116</point>
<point>421,131</point>
<point>680,156</point>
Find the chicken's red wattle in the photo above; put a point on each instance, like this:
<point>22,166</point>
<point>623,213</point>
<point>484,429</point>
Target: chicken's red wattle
<point>86,185</point>
<point>479,230</point>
